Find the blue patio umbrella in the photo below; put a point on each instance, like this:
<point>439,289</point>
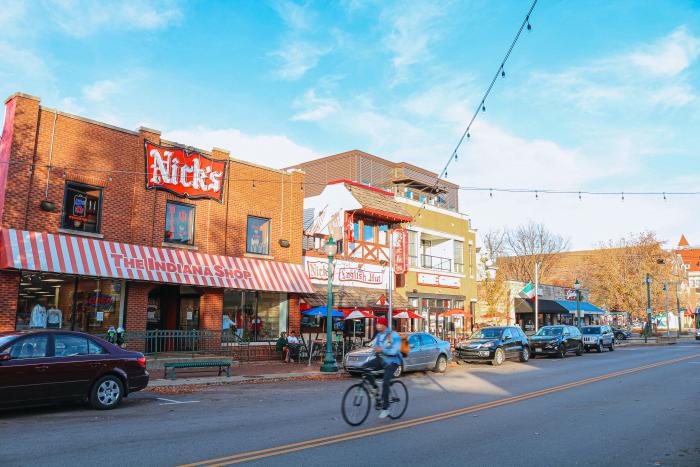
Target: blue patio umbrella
<point>322,311</point>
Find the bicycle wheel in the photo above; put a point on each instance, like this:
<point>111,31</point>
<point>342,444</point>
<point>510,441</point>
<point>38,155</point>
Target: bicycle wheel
<point>355,405</point>
<point>398,398</point>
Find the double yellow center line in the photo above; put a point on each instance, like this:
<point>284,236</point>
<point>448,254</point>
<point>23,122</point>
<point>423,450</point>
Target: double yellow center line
<point>342,437</point>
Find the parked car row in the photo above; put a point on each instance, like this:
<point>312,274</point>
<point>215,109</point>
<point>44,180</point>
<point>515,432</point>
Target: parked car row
<point>498,344</point>
<point>48,366</point>
<point>427,353</point>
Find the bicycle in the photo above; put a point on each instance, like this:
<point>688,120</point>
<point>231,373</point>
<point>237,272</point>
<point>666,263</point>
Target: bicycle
<point>359,397</point>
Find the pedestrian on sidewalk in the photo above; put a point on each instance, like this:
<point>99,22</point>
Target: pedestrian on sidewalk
<point>292,349</point>
<point>281,345</point>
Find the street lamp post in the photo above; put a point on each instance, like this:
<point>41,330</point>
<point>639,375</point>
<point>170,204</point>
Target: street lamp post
<point>329,364</point>
<point>648,327</point>
<point>668,319</point>
<point>577,286</point>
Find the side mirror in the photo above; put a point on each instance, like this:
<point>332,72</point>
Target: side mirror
<point>4,356</point>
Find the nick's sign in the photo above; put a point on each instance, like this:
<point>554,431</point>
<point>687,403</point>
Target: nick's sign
<point>183,173</point>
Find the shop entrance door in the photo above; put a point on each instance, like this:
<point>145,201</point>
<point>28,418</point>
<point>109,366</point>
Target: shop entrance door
<point>173,309</point>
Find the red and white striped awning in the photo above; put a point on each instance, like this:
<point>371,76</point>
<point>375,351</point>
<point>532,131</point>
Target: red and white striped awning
<point>41,251</point>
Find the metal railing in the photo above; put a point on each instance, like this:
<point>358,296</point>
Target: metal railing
<point>192,342</point>
<point>436,262</point>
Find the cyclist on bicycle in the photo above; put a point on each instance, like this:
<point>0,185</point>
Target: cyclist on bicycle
<point>387,345</point>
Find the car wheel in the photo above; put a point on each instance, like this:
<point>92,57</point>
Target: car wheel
<point>587,349</point>
<point>440,364</point>
<point>579,350</point>
<point>398,371</point>
<point>498,357</point>
<point>106,393</point>
<point>600,347</point>
<point>617,339</point>
<point>525,354</point>
<point>612,346</point>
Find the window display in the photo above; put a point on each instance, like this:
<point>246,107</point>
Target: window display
<point>82,207</point>
<point>258,236</point>
<point>255,316</point>
<point>57,301</point>
<point>179,223</point>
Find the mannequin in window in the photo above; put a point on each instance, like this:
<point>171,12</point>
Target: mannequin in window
<point>54,318</point>
<point>38,318</point>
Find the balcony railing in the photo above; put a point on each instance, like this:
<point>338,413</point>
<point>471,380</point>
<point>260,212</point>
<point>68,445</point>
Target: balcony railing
<point>436,263</point>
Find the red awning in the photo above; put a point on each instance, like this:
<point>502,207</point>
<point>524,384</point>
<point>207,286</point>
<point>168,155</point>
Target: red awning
<point>83,256</point>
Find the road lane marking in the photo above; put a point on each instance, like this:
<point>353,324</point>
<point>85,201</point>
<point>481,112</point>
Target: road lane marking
<point>171,401</point>
<point>343,437</point>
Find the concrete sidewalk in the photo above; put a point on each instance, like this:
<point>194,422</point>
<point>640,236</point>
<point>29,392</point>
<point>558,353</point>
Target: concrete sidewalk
<point>244,372</point>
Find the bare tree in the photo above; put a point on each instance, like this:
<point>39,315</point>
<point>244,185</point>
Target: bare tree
<point>494,244</point>
<point>528,244</point>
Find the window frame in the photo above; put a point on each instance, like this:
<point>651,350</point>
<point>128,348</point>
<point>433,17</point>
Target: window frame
<point>269,238</point>
<point>194,222</point>
<point>84,187</point>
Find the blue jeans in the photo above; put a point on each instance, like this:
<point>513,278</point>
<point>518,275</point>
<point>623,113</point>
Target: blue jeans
<point>377,363</point>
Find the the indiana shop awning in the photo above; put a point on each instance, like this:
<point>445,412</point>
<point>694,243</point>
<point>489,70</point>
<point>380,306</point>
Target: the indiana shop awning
<point>20,249</point>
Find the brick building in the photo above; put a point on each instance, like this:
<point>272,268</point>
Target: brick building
<point>103,226</point>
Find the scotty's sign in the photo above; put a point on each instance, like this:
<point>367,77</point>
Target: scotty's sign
<point>183,173</point>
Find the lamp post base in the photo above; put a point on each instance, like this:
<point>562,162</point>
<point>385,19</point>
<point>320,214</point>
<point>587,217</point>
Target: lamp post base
<point>329,367</point>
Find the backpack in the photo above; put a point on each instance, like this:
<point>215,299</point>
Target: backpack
<point>405,348</point>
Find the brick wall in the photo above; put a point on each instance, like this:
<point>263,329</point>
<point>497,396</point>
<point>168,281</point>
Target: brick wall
<point>9,285</point>
<point>112,158</point>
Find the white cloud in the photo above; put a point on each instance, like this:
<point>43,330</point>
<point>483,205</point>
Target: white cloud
<point>295,16</point>
<point>297,57</point>
<point>19,63</point>
<point>313,107</point>
<point>276,151</point>
<point>649,76</point>
<point>82,18</point>
<point>668,56</point>
<point>412,30</point>
<point>99,91</point>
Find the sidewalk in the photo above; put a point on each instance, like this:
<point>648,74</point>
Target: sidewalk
<point>256,372</point>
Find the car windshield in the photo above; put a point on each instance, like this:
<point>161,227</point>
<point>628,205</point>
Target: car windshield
<point>590,329</point>
<point>5,339</point>
<point>489,333</point>
<point>549,332</point>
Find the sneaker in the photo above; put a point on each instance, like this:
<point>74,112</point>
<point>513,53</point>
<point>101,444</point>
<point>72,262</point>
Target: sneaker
<point>384,413</point>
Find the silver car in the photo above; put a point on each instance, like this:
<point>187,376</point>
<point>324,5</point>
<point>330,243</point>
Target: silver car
<point>598,337</point>
<point>427,353</point>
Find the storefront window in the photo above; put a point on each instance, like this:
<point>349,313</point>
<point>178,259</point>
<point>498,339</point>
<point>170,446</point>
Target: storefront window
<point>383,234</point>
<point>179,223</point>
<point>368,232</point>
<point>258,236</point>
<point>82,207</point>
<point>255,316</point>
<point>57,301</point>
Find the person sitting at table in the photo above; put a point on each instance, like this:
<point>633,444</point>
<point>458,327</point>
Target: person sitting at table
<point>292,346</point>
<point>281,345</point>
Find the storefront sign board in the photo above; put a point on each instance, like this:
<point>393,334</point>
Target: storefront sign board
<point>347,273</point>
<point>184,173</point>
<point>438,280</point>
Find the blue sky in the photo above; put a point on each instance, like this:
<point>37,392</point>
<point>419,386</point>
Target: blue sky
<point>598,96</point>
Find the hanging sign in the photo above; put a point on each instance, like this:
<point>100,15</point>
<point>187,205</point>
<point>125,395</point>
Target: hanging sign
<point>183,173</point>
<point>400,245</point>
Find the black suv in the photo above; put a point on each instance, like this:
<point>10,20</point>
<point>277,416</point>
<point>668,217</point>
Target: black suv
<point>495,345</point>
<point>557,340</point>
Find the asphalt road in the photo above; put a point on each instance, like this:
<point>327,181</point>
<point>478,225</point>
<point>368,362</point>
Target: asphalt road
<point>635,406</point>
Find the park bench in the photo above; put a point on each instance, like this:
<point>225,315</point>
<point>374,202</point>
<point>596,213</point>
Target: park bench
<point>222,366</point>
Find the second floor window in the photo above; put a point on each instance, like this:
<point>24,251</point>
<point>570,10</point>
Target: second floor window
<point>179,223</point>
<point>82,207</point>
<point>258,236</point>
<point>459,256</point>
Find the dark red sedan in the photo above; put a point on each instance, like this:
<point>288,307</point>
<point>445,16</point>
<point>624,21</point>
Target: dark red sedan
<point>39,367</point>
